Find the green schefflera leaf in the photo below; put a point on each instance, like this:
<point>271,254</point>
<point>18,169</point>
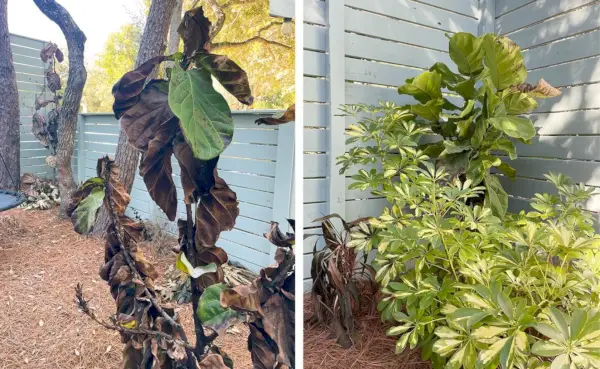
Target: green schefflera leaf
<point>424,87</point>
<point>514,126</point>
<point>85,214</point>
<point>467,52</point>
<point>210,311</point>
<point>204,114</point>
<point>185,266</point>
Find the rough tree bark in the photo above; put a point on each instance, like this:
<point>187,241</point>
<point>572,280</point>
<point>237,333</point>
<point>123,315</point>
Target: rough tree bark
<point>152,44</point>
<point>173,44</point>
<point>9,110</point>
<point>72,98</point>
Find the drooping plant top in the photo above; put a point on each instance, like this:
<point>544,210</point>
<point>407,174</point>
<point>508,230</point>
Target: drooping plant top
<point>472,117</point>
<point>45,129</point>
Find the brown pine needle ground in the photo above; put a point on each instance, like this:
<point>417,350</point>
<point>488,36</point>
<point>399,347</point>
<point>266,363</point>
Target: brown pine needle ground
<point>41,261</point>
<point>373,351</point>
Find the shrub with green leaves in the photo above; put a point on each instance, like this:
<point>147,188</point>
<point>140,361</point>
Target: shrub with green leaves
<point>470,284</point>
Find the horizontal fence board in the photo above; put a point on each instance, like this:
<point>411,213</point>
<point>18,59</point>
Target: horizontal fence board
<point>29,69</point>
<point>315,115</point>
<point>536,12</point>
<point>316,140</point>
<point>382,26</point>
<point>378,73</point>
<point>418,13</point>
<point>29,87</point>
<point>315,11</point>
<point>504,6</point>
<point>30,78</point>
<point>26,60</point>
<point>573,98</point>
<point>573,73</point>
<point>315,63</point>
<point>565,25</point>
<point>315,37</point>
<point>359,46</point>
<point>253,196</point>
<point>315,89</point>
<point>468,8</point>
<point>257,258</point>
<point>26,51</point>
<point>257,136</point>
<point>247,180</point>
<point>313,211</point>
<point>315,165</point>
<point>248,239</point>
<point>581,171</point>
<point>27,42</point>
<point>252,151</point>
<point>568,123</point>
<point>564,147</point>
<point>266,168</point>
<point>563,51</point>
<point>256,212</point>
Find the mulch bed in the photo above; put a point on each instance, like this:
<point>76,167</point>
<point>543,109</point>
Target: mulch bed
<point>41,261</point>
<point>374,350</point>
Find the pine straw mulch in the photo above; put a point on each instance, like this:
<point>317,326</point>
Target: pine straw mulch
<point>41,261</point>
<point>373,350</point>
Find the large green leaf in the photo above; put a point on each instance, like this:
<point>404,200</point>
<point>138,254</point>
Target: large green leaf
<point>424,87</point>
<point>504,62</point>
<point>85,214</point>
<point>211,313</point>
<point>204,115</point>
<point>514,126</point>
<point>518,102</point>
<point>431,110</point>
<point>506,145</point>
<point>467,52</point>
<point>497,200</point>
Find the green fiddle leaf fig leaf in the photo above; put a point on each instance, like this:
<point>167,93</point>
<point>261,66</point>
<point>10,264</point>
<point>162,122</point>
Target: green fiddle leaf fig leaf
<point>210,311</point>
<point>185,266</point>
<point>84,216</point>
<point>467,52</point>
<point>518,102</point>
<point>509,171</point>
<point>506,145</point>
<point>464,125</point>
<point>547,349</point>
<point>424,87</point>
<point>466,88</point>
<point>449,78</point>
<point>431,110</point>
<point>504,62</point>
<point>514,126</point>
<point>204,114</point>
<point>497,200</point>
<point>481,127</point>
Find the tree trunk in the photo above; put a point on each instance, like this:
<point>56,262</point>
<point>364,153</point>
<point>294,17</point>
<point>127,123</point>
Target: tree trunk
<point>9,110</point>
<point>152,44</point>
<point>173,44</point>
<point>72,99</point>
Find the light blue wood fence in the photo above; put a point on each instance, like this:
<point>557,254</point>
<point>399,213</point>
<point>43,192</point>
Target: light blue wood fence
<point>358,51</point>
<point>257,165</point>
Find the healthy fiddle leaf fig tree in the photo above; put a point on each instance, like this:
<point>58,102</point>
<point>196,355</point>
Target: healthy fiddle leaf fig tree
<point>185,117</point>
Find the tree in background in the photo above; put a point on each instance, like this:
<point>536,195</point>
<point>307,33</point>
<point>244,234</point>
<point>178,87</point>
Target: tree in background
<point>258,43</point>
<point>72,97</point>
<point>9,109</point>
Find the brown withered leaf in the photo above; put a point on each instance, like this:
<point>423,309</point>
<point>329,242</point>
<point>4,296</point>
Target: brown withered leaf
<point>244,298</point>
<point>212,361</point>
<point>48,51</point>
<point>38,128</point>
<point>149,115</point>
<point>194,31</point>
<point>127,90</point>
<point>542,90</point>
<point>197,176</point>
<point>59,55</point>
<point>278,322</point>
<point>133,230</point>
<point>216,213</point>
<point>156,170</point>
<point>53,79</point>
<point>233,78</point>
<point>119,198</point>
<point>262,352</point>
<point>287,116</point>
<point>278,238</point>
<point>82,192</point>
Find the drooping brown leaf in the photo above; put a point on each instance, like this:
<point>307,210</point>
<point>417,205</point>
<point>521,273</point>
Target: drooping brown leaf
<point>233,78</point>
<point>156,170</point>
<point>244,298</point>
<point>542,90</point>
<point>38,128</point>
<point>287,116</point>
<point>212,361</point>
<point>127,90</point>
<point>194,31</point>
<point>197,176</point>
<point>48,51</point>
<point>53,80</point>
<point>82,192</point>
<point>278,238</point>
<point>216,213</point>
<point>119,198</point>
<point>278,322</point>
<point>59,55</point>
<point>262,352</point>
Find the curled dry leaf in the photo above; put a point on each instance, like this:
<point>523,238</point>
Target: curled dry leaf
<point>194,31</point>
<point>119,197</point>
<point>53,80</point>
<point>287,116</point>
<point>38,128</point>
<point>231,76</point>
<point>278,238</point>
<point>212,361</point>
<point>542,90</point>
<point>216,213</point>
<point>49,51</point>
<point>197,176</point>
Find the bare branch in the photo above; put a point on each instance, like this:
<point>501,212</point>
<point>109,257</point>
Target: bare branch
<point>258,37</point>
<point>83,305</point>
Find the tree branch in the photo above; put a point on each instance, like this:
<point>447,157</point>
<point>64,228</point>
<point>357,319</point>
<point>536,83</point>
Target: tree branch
<point>220,15</point>
<point>258,37</point>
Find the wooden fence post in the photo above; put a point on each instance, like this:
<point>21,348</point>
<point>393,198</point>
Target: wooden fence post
<point>81,148</point>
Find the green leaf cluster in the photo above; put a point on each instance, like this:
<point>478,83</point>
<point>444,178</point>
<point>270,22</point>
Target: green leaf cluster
<point>462,279</point>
